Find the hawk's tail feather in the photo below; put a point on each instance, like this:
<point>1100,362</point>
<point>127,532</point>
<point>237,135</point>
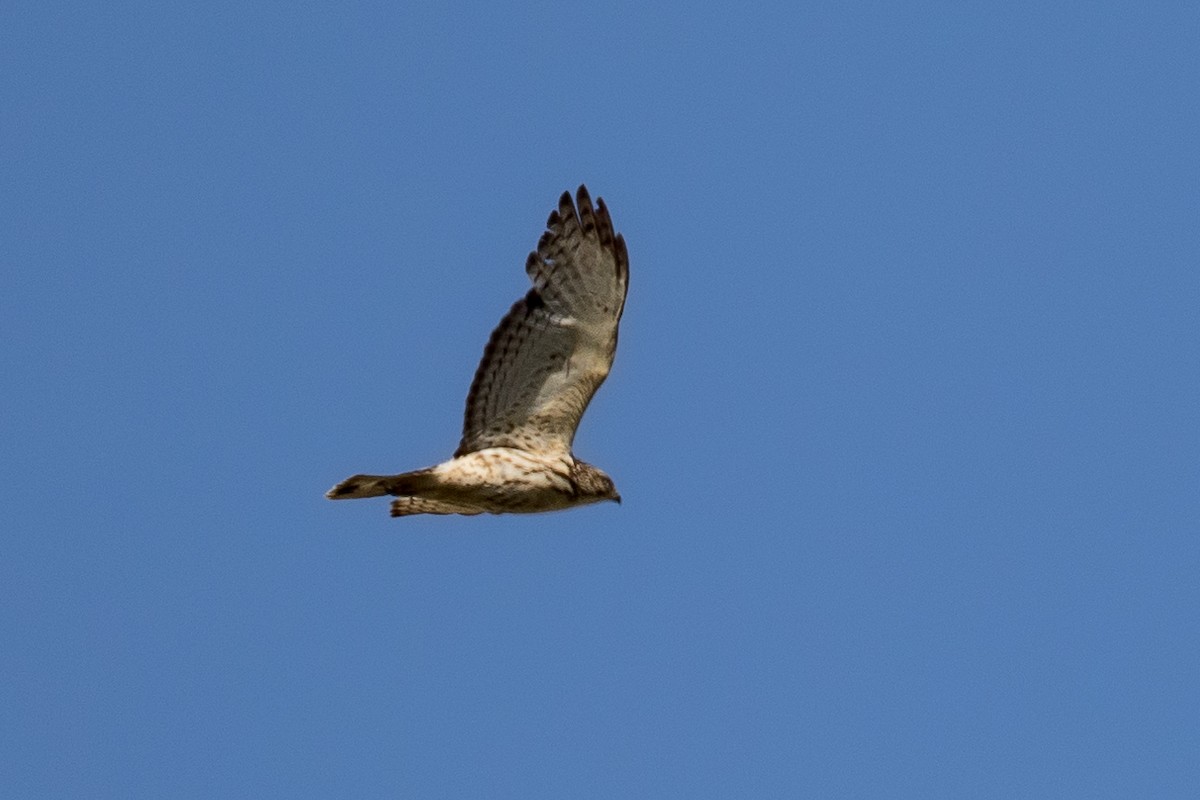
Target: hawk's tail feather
<point>406,483</point>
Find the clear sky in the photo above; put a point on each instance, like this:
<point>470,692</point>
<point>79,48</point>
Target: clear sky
<point>905,413</point>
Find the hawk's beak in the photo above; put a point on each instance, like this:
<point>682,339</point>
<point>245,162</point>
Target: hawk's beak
<point>617,498</point>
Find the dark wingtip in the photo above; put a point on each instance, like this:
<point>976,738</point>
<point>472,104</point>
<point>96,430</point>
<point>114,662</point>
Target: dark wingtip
<point>533,300</point>
<point>566,208</point>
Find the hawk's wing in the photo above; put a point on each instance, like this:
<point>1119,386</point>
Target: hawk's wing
<point>555,346</point>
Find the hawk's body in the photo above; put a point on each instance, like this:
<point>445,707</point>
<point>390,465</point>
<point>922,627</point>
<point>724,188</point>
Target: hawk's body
<point>539,371</point>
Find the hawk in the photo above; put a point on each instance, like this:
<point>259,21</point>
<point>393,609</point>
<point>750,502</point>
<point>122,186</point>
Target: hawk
<point>539,371</point>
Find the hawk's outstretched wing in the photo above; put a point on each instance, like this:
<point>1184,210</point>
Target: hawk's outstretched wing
<point>554,348</point>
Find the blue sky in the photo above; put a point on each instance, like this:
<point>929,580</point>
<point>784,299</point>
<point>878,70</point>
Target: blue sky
<point>904,414</point>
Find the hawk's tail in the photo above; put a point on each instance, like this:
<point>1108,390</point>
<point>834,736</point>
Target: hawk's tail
<point>408,483</point>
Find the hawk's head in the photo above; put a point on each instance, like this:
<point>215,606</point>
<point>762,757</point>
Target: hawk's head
<point>592,484</point>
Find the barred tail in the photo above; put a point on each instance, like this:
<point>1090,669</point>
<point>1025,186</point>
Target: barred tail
<point>378,485</point>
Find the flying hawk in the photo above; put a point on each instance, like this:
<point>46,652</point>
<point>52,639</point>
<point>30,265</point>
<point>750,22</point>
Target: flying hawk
<point>539,371</point>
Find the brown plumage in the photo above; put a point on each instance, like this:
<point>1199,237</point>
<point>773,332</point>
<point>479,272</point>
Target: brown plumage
<point>540,369</point>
